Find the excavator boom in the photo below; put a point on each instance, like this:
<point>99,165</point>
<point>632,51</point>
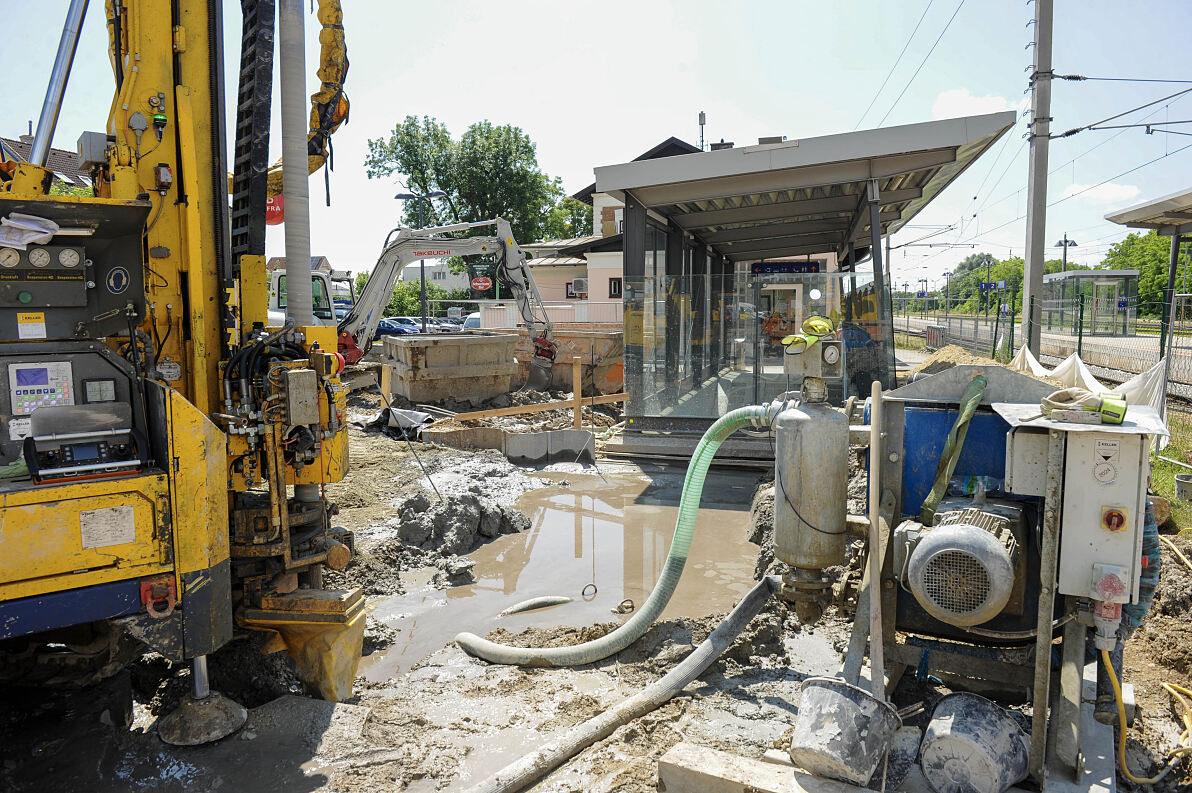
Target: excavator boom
<point>409,245</point>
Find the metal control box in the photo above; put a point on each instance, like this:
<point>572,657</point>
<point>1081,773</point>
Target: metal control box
<point>1105,478</point>
<point>823,359</point>
<point>302,396</point>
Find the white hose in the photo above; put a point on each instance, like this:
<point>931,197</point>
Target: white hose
<point>551,755</point>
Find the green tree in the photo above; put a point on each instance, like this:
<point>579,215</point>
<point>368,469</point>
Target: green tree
<point>568,219</point>
<point>491,171</point>
<point>59,187</point>
<point>406,300</point>
<point>1149,254</point>
<point>973,262</point>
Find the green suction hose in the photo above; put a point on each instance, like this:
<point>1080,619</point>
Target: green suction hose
<point>676,559</point>
<point>952,448</point>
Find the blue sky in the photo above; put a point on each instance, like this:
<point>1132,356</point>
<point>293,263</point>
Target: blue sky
<point>595,83</point>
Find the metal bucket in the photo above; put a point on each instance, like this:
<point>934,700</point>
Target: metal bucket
<point>973,746</point>
<point>842,732</point>
<point>1183,487</point>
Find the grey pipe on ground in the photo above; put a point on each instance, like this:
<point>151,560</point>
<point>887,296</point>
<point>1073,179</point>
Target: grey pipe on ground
<point>551,755</point>
<point>535,603</point>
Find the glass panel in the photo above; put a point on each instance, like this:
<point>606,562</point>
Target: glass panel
<point>698,346</point>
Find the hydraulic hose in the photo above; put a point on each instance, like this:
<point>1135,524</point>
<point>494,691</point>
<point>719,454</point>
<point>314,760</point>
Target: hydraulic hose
<point>952,448</point>
<point>550,756</point>
<point>676,559</point>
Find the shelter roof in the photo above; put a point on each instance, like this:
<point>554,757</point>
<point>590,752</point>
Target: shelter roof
<point>805,196</point>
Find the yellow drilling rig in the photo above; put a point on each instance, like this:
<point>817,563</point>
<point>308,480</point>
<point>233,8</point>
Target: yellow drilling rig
<point>164,452</point>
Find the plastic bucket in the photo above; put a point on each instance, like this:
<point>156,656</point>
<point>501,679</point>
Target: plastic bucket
<point>842,732</point>
<point>973,746</point>
<point>1183,487</point>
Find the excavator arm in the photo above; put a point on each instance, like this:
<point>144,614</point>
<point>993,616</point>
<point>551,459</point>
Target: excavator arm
<point>410,245</point>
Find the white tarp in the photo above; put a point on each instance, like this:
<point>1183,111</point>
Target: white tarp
<point>1141,389</point>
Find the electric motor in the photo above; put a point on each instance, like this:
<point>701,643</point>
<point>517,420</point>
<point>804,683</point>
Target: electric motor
<point>961,571</point>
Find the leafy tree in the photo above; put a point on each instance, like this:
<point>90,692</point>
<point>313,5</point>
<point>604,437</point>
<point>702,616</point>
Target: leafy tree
<point>491,171</point>
<point>568,219</point>
<point>973,262</point>
<point>406,300</point>
<point>59,187</point>
<point>1149,254</point>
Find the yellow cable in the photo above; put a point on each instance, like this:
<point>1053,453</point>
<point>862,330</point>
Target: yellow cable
<point>1121,709</point>
<point>1173,547</point>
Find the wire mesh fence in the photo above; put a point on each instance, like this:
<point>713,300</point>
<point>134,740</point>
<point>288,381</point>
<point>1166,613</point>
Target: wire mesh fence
<point>1117,337</point>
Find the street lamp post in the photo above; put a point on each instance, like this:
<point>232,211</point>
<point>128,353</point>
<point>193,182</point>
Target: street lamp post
<point>924,282</point>
<point>1065,243</point>
<point>421,262</point>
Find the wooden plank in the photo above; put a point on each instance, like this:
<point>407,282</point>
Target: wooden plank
<point>688,768</point>
<point>577,392</point>
<point>963,665</point>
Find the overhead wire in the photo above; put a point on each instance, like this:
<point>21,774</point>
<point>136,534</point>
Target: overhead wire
<point>922,63</point>
<point>1119,115</point>
<point>897,60</point>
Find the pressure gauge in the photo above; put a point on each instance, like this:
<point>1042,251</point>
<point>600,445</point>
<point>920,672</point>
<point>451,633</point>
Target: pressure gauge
<point>39,257</point>
<point>68,257</point>
<point>831,355</point>
<point>9,257</point>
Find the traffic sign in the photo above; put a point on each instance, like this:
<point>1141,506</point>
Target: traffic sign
<point>921,294</point>
<point>985,286</point>
<point>482,283</point>
<point>1122,303</point>
<point>1001,284</point>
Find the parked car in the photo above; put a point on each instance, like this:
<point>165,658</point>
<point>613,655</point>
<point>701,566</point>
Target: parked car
<point>387,327</point>
<point>445,325</point>
<point>473,320</point>
<point>413,323</point>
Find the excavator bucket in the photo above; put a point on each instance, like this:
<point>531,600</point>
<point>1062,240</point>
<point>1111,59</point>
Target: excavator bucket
<point>539,376</point>
<point>323,631</point>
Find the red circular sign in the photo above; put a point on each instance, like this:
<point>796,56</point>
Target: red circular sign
<point>275,211</point>
<point>482,283</point>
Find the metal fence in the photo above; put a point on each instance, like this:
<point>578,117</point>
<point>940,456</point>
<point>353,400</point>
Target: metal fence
<point>1115,340</point>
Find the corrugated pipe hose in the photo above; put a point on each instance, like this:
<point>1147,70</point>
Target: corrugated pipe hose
<point>676,559</point>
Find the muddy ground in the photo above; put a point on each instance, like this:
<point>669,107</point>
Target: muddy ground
<point>452,720</point>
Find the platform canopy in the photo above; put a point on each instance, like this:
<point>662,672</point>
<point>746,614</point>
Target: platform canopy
<point>807,196</point>
<point>1171,215</point>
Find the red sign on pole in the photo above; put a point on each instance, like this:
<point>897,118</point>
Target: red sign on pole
<point>275,211</point>
<point>482,283</point>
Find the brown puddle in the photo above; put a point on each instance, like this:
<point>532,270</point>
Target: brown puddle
<point>613,532</point>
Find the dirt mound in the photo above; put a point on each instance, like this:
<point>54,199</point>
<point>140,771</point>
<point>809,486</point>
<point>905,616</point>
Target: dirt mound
<point>952,355</point>
<point>1173,595</point>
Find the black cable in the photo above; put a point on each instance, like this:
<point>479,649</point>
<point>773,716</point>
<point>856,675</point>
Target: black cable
<point>795,509</point>
<point>922,64</point>
<point>897,60</point>
<point>1123,113</point>
<point>1082,78</point>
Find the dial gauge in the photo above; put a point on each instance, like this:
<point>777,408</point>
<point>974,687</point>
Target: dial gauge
<point>39,257</point>
<point>9,257</point>
<point>68,257</point>
<point>831,355</point>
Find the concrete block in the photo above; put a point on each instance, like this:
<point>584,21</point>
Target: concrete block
<point>553,446</point>
<point>472,366</point>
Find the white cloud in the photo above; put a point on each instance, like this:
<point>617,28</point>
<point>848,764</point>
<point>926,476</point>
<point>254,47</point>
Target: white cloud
<point>957,102</point>
<point>1108,193</point>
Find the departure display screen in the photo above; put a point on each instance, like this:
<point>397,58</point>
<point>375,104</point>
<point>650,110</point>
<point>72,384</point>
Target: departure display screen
<point>85,452</point>
<point>33,377</point>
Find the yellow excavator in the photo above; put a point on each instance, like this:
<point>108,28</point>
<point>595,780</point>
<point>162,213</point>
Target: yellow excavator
<point>164,451</point>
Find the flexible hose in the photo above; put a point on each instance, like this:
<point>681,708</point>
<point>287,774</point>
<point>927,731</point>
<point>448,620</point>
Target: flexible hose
<point>1121,709</point>
<point>676,559</point>
<point>952,448</point>
<point>1134,613</point>
<point>550,756</point>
